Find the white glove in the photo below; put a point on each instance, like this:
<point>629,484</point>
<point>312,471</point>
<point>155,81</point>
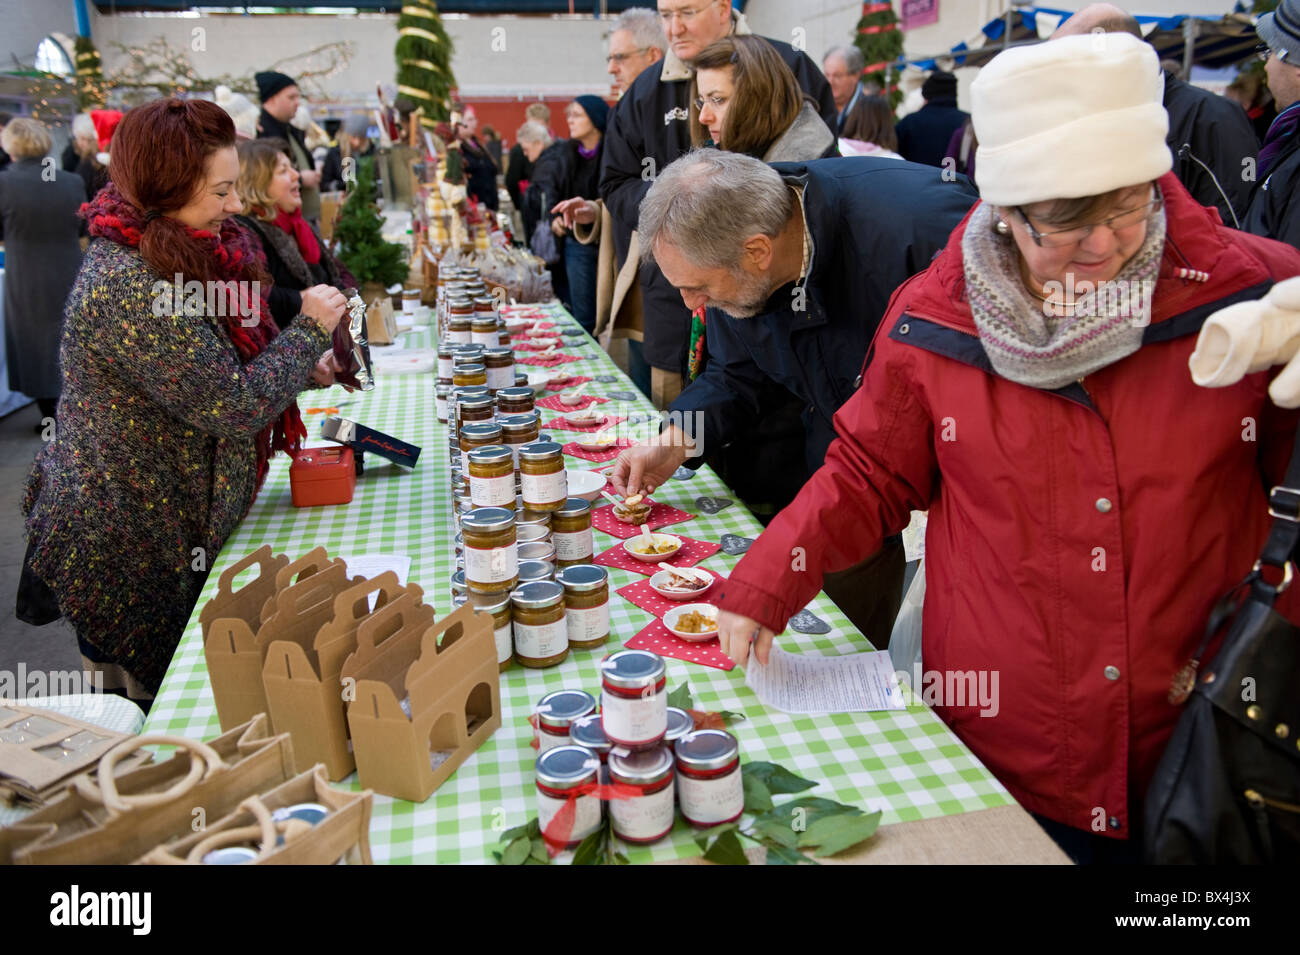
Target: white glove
<point>1250,337</point>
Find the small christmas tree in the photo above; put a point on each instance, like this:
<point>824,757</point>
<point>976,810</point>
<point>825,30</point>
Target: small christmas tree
<point>880,39</point>
<point>90,76</point>
<point>362,247</point>
<point>423,55</point>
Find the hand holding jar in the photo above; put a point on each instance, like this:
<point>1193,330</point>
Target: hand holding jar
<point>736,633</point>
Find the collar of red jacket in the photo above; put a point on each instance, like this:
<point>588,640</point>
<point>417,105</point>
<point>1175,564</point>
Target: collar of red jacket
<point>1194,240</point>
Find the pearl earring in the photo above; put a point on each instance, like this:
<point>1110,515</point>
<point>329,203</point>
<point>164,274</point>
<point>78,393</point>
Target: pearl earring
<point>1002,228</point>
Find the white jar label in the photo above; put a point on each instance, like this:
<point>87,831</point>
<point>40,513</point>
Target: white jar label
<point>544,488</point>
<point>460,338</point>
<point>634,719</point>
<point>442,408</point>
<point>586,817</point>
<point>586,625</point>
<point>643,817</point>
<point>491,566</point>
<point>498,378</point>
<point>446,366</point>
<point>574,546</point>
<point>493,491</point>
<point>547,741</point>
<point>540,642</point>
<point>490,339</point>
<point>505,643</point>
<point>711,801</point>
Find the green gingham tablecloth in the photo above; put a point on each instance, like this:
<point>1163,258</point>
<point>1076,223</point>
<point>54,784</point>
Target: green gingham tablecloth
<point>906,763</point>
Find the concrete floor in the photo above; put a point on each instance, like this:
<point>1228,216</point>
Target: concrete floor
<point>54,646</point>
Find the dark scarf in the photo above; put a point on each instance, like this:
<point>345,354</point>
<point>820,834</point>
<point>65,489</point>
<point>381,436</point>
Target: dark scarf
<point>294,224</point>
<point>234,252</point>
<point>1281,130</point>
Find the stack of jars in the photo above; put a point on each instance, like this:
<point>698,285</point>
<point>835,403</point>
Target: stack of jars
<point>650,750</point>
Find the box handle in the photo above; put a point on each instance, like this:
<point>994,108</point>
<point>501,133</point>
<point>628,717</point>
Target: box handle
<point>262,556</point>
<point>203,760</point>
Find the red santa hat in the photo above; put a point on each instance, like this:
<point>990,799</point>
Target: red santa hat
<point>105,121</point>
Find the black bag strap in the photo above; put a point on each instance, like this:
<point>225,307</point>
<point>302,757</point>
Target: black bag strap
<point>1280,547</point>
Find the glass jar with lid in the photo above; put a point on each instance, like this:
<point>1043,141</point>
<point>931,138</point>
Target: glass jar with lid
<point>709,785</point>
<point>503,333</point>
<point>477,434</point>
<point>459,589</point>
<point>514,400</point>
<point>500,364</point>
<point>679,724</point>
<point>473,409</point>
<point>541,636</point>
<point>518,430</point>
<point>634,700</point>
<point>586,731</point>
<point>492,477</point>
<point>586,604</point>
<point>498,606</point>
<point>529,518</point>
<point>648,816</point>
<point>560,773</point>
<point>571,533</point>
<point>469,373</point>
<point>441,396</point>
<point>483,330</point>
<point>533,532</point>
<point>521,379</point>
<point>491,559</point>
<point>444,362</point>
<point>530,570</point>
<point>556,713</point>
<point>460,320</point>
<point>543,482</point>
<point>538,550</point>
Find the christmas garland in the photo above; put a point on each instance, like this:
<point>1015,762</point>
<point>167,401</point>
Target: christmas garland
<point>423,54</point>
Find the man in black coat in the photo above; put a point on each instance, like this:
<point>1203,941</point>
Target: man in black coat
<point>1271,213</point>
<point>796,264</point>
<point>1210,136</point>
<point>923,136</point>
<point>280,98</point>
<point>647,131</point>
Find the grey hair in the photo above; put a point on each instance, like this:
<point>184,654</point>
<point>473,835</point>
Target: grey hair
<point>83,125</point>
<point>644,26</point>
<point>533,132</point>
<point>852,56</point>
<point>709,202</point>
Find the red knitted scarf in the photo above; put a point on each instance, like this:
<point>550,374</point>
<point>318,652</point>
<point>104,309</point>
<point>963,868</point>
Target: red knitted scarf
<point>234,253</point>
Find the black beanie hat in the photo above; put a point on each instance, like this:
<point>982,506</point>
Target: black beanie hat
<point>939,85</point>
<point>270,83</point>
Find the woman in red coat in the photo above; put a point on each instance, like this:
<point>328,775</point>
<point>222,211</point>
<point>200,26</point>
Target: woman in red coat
<point>1087,502</point>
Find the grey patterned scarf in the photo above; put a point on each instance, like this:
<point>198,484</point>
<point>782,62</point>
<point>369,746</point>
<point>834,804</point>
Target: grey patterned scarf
<point>1029,342</point>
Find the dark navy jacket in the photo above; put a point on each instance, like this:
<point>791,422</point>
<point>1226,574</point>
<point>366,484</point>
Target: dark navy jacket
<point>874,223</point>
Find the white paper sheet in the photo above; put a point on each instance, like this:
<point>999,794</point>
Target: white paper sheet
<point>372,565</point>
<point>811,684</point>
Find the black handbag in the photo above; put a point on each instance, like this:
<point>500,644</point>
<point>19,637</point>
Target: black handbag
<point>1227,788</point>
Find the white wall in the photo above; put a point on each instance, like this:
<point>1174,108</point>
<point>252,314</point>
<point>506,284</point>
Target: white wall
<point>24,23</point>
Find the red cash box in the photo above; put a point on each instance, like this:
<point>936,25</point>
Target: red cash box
<point>322,476</point>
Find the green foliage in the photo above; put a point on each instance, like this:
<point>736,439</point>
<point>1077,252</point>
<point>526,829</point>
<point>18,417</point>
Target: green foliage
<point>362,247</point>
<point>423,55</point>
<point>90,75</point>
<point>882,46</point>
<point>523,846</point>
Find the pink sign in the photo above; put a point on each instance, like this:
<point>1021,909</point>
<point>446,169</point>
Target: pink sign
<point>919,13</point>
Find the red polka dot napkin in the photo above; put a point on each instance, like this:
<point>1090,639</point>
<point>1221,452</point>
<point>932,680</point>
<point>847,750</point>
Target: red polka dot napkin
<point>562,425</point>
<point>554,403</point>
<point>545,362</point>
<point>567,381</point>
<point>659,639</point>
<point>661,515</point>
<point>642,595</point>
<point>598,456</point>
<point>692,552</point>
<point>529,344</point>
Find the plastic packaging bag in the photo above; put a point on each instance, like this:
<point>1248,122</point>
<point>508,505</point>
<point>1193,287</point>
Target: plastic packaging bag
<point>905,640</point>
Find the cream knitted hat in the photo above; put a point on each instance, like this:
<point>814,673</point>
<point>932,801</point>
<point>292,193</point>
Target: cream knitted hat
<point>1072,117</point>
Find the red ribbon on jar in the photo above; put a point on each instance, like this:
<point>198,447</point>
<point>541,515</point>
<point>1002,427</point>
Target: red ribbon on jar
<point>558,832</point>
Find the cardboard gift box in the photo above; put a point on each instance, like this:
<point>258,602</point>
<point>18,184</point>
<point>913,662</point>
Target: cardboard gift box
<point>426,696</point>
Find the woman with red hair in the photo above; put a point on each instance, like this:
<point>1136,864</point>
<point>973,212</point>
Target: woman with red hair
<point>172,403</point>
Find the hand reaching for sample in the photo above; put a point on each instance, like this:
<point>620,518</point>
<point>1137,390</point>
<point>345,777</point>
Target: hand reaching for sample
<point>325,304</point>
<point>736,633</point>
<point>643,468</point>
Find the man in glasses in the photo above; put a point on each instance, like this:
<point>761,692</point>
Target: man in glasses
<point>649,129</point>
<point>1278,172</point>
<point>636,41</point>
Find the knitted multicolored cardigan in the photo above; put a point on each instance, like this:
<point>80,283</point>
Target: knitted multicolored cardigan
<point>154,462</point>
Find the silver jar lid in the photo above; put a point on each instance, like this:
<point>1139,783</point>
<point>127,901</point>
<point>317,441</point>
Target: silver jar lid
<point>490,454</point>
<point>533,532</point>
<point>521,380</point>
<point>498,351</point>
<point>480,430</point>
<point>519,421</point>
<point>490,603</point>
<point>589,731</point>
<point>442,391</point>
<point>574,507</point>
<point>559,709</point>
<point>567,767</point>
<point>632,669</point>
<point>679,724</point>
<point>706,749</point>
<point>537,550</point>
<point>537,595</point>
<point>485,520</point>
<point>474,402</point>
<point>530,570</point>
<point>527,517</point>
<point>642,768</point>
<point>515,393</point>
<point>458,585</point>
<point>582,578</point>
<point>466,350</point>
<point>540,451</point>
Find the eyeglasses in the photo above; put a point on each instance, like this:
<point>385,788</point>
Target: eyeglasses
<point>1121,220</point>
<point>685,16</point>
<point>620,57</point>
<point>715,102</point>
<point>1263,52</point>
